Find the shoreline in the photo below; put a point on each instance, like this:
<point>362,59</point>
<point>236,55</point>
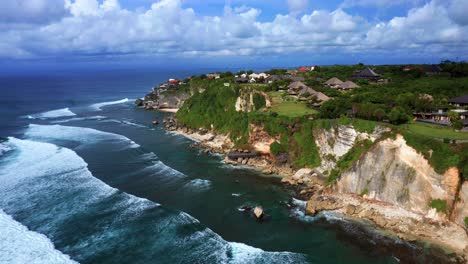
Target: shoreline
<point>388,218</point>
<point>168,110</point>
<point>251,165</point>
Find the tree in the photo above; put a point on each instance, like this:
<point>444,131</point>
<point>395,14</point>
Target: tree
<point>276,148</point>
<point>398,116</point>
<point>379,114</point>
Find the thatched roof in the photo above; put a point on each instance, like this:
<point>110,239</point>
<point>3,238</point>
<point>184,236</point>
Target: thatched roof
<point>459,100</point>
<point>366,73</point>
<point>297,85</point>
<point>241,80</point>
<point>348,85</point>
<point>334,81</point>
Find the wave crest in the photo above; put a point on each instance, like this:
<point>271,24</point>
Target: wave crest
<point>64,112</point>
<point>99,106</point>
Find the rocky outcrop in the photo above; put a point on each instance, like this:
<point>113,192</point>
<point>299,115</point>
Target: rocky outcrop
<point>407,225</point>
<point>167,100</point>
<point>394,172</point>
<point>335,142</point>
<point>460,211</point>
<point>258,212</point>
<point>172,100</point>
<point>245,101</point>
<point>259,139</point>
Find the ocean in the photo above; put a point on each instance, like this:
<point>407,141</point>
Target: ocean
<point>86,178</point>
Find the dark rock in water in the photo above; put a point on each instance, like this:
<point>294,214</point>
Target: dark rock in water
<point>258,212</point>
<point>246,208</point>
<point>139,102</point>
<point>237,155</point>
<point>155,122</point>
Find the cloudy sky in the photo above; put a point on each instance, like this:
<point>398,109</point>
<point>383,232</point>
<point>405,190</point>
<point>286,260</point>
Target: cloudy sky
<point>232,32</point>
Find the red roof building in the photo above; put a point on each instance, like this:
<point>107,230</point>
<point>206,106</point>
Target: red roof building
<point>303,69</point>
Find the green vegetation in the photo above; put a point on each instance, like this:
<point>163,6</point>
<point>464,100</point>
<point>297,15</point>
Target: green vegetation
<point>259,101</point>
<point>306,152</point>
<point>434,131</point>
<point>466,221</point>
<point>440,155</point>
<point>391,104</point>
<point>215,107</point>
<point>348,159</point>
<point>439,205</point>
<point>364,192</point>
<point>292,109</point>
<point>276,148</point>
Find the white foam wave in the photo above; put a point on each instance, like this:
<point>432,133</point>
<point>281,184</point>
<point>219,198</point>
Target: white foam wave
<point>236,194</point>
<point>42,169</point>
<point>78,119</point>
<point>82,135</point>
<point>242,253</point>
<point>126,122</point>
<point>162,169</point>
<point>64,112</point>
<point>20,245</point>
<point>199,184</point>
<point>98,106</point>
<point>4,148</point>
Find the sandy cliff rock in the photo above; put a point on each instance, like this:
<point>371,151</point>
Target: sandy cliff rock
<point>394,172</point>
<point>337,141</point>
<point>460,210</point>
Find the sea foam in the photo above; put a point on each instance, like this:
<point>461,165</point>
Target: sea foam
<point>20,245</point>
<point>99,106</point>
<point>64,112</point>
<point>82,135</point>
<point>78,119</point>
<point>42,178</point>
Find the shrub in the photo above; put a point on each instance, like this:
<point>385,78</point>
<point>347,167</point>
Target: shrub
<point>276,148</point>
<point>439,205</point>
<point>466,221</point>
<point>364,192</point>
<point>259,101</point>
<point>443,155</point>
<point>305,150</point>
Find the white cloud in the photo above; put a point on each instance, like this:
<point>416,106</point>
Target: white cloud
<point>31,11</point>
<point>297,6</point>
<point>458,11</point>
<point>379,3</point>
<point>167,28</point>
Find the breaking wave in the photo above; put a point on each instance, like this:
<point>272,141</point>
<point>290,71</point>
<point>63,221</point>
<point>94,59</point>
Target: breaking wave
<point>64,112</point>
<point>51,190</point>
<point>199,184</point>
<point>78,119</point>
<point>20,245</point>
<point>81,135</point>
<point>99,106</point>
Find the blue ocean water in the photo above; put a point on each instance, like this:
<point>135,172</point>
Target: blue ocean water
<point>85,177</point>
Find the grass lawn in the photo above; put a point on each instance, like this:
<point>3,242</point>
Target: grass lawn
<point>292,109</point>
<point>288,108</point>
<point>429,130</point>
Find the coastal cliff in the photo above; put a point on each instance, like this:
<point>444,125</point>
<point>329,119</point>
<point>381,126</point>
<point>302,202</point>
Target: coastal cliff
<point>406,184</point>
<point>166,100</point>
<point>393,172</point>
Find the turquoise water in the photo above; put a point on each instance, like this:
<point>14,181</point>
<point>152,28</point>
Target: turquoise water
<point>102,185</point>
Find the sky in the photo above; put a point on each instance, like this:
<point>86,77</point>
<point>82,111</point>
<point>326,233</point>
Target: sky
<point>230,33</point>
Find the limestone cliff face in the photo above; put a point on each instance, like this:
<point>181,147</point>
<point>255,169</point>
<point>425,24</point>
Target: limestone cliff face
<point>394,172</point>
<point>335,142</point>
<point>172,100</point>
<point>460,210</point>
<point>245,101</point>
<point>259,139</point>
